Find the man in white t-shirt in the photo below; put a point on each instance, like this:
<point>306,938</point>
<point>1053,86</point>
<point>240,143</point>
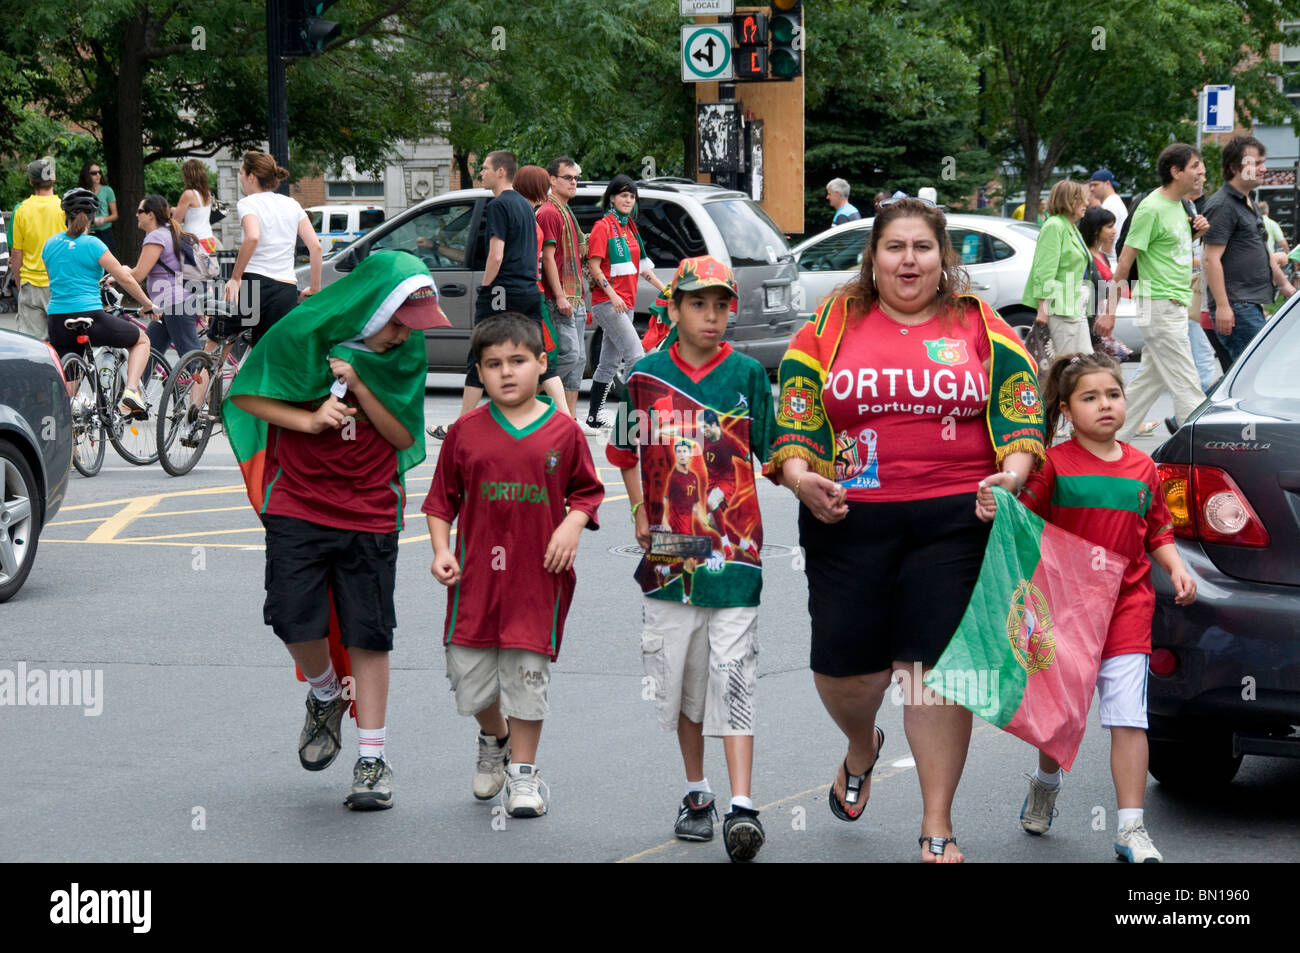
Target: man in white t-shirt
<point>1102,187</point>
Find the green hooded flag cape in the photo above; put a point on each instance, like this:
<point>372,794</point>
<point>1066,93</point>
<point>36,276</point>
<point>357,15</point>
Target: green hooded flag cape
<point>291,363</point>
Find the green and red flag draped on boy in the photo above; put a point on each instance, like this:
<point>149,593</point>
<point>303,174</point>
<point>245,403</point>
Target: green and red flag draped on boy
<point>291,363</point>
<point>1026,653</point>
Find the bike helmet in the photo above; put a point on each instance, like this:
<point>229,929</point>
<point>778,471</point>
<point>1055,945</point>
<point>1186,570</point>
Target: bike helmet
<point>80,200</point>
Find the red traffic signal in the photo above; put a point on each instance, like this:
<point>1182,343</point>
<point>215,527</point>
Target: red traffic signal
<point>750,29</point>
<point>751,62</point>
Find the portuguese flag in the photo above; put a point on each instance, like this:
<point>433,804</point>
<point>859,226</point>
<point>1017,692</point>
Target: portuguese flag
<point>1026,654</point>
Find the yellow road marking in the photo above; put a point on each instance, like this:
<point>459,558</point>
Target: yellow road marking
<point>187,535</point>
<point>109,529</point>
<point>207,491</point>
<point>139,542</point>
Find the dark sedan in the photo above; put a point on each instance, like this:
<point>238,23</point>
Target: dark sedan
<point>1225,672</point>
<point>35,451</point>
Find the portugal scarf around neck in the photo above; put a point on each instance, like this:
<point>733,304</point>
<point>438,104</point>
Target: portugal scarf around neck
<point>1014,413</point>
<point>291,363</point>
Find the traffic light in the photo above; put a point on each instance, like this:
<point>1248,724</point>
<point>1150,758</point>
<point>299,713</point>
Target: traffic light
<point>786,29</point>
<point>308,33</point>
<point>750,31</point>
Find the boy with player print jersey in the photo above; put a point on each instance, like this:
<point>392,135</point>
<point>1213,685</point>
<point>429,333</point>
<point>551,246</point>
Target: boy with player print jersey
<point>694,414</point>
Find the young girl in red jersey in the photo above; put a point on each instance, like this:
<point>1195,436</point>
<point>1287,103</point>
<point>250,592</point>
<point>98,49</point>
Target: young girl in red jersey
<point>1106,492</point>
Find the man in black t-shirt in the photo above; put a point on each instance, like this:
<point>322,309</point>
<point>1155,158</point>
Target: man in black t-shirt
<point>510,275</point>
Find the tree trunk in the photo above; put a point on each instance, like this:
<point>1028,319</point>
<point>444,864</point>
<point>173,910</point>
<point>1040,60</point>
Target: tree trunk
<point>124,139</point>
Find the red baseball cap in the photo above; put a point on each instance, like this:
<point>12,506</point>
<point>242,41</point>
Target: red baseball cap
<point>420,311</point>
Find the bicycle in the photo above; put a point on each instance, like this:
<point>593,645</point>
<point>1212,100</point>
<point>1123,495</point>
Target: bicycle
<point>185,424</point>
<point>98,377</point>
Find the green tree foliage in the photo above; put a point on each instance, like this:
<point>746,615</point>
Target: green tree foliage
<point>1111,82</point>
<point>891,103</point>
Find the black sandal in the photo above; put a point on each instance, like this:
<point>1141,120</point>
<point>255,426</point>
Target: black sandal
<point>853,785</point>
<point>937,845</point>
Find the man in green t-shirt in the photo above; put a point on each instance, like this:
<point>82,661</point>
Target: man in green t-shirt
<point>1160,240</point>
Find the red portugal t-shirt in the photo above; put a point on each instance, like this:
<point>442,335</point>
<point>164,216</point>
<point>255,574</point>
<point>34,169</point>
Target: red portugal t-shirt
<point>1118,505</point>
<point>345,478</point>
<point>622,275</point>
<point>683,493</point>
<point>907,404</point>
<point>507,490</point>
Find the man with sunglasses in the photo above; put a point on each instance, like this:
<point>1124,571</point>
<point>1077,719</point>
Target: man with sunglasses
<point>1240,273</point>
<point>563,248</point>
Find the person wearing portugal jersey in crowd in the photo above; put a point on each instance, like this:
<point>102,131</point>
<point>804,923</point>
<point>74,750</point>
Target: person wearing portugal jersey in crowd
<point>532,182</point>
<point>898,396</point>
<point>518,480</point>
<point>615,260</point>
<point>563,248</point>
<point>1108,493</point>
<point>324,469</point>
<point>690,398</point>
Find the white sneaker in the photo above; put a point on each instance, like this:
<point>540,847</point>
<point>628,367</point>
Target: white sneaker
<point>526,793</point>
<point>589,430</point>
<point>490,771</point>
<point>1039,808</point>
<point>1133,844</point>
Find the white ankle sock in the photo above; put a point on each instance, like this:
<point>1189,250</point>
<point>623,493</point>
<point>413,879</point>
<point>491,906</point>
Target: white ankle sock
<point>370,742</point>
<point>1051,780</point>
<point>1129,815</point>
<point>325,686</point>
<point>516,769</point>
<point>739,800</point>
<point>701,785</point>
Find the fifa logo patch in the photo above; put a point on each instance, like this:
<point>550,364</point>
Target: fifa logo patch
<point>949,351</point>
<point>1018,399</point>
<point>552,461</point>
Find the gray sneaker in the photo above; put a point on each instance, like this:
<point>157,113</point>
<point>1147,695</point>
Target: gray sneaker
<point>1039,808</point>
<point>490,769</point>
<point>372,785</point>
<point>318,745</point>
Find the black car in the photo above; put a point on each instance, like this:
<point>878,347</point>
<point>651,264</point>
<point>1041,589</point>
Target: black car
<point>35,451</point>
<point>1225,671</point>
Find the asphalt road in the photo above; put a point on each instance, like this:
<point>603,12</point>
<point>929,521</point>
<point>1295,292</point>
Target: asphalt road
<point>157,582</point>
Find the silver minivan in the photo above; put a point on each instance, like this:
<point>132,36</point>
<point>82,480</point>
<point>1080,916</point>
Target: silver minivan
<point>677,219</point>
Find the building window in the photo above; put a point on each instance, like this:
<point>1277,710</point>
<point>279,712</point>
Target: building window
<point>354,190</point>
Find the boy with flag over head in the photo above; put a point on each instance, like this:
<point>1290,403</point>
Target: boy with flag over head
<point>323,419</point>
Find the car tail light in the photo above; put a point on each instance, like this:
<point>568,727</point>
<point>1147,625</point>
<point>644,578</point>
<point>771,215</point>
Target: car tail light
<point>54,356</point>
<point>1163,662</point>
<point>1206,505</point>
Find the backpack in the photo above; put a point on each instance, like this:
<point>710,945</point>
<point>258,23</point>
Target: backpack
<point>1123,233</point>
<point>198,264</point>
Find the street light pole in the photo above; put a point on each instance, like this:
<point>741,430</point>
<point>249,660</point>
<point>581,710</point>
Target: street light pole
<point>277,90</point>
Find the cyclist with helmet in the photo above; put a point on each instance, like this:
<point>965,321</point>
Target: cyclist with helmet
<point>75,261</point>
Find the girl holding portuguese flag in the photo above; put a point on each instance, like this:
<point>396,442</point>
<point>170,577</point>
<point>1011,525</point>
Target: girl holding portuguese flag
<point>323,419</point>
<point>1108,493</point>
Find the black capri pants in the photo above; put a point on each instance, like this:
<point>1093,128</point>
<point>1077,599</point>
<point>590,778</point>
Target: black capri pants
<point>890,581</point>
<point>265,301</point>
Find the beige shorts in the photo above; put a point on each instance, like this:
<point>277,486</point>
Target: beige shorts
<point>702,664</point>
<point>516,677</point>
<point>33,310</point>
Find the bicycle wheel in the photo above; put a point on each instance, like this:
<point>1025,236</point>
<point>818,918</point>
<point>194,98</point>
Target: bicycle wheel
<point>184,422</point>
<point>132,434</point>
<point>87,425</point>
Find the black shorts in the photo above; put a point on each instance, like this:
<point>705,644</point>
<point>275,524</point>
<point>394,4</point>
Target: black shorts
<point>264,301</point>
<point>305,562</point>
<point>890,581</point>
<point>529,304</point>
<point>108,331</point>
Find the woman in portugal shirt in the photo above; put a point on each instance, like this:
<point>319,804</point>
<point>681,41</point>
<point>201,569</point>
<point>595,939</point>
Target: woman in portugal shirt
<point>897,398</point>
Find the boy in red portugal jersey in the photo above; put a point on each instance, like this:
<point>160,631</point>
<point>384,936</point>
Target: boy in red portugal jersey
<point>516,477</point>
<point>698,643</point>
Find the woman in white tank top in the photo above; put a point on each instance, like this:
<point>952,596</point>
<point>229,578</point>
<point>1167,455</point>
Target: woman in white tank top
<point>194,207</point>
